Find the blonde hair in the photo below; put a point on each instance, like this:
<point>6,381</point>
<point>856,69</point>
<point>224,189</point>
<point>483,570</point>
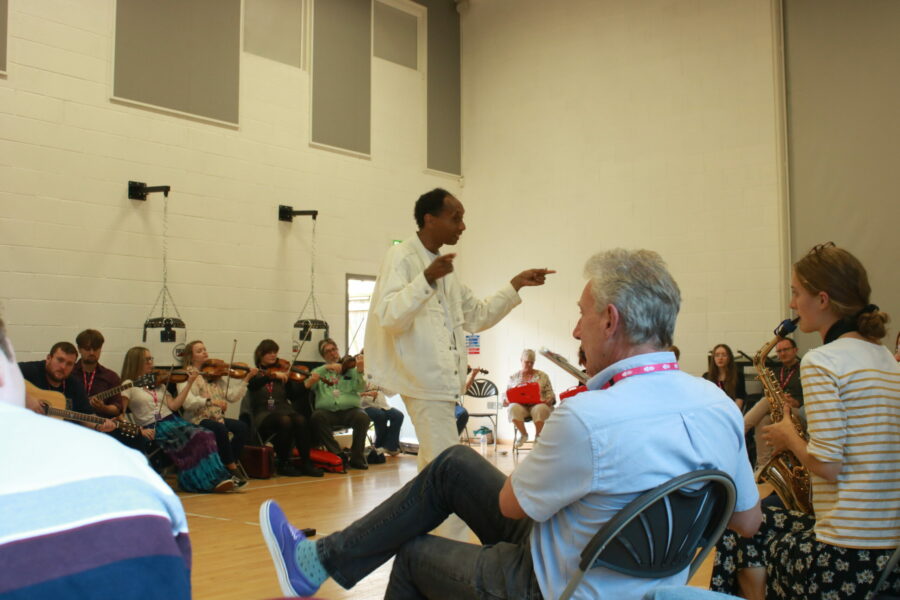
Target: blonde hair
<point>133,365</point>
<point>187,355</point>
<point>827,268</point>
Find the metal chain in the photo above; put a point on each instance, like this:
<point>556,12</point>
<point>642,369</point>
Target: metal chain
<point>312,279</point>
<point>164,292</point>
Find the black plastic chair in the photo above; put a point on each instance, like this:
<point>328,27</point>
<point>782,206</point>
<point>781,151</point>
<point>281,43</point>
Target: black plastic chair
<point>659,533</point>
<point>485,388</point>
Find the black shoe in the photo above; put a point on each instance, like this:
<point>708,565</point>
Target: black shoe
<point>239,477</point>
<point>310,470</point>
<point>287,469</point>
<point>358,464</point>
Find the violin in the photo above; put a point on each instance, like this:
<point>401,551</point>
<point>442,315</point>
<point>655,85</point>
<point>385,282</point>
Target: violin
<point>295,373</point>
<point>215,368</point>
<point>347,363</point>
<point>166,376</point>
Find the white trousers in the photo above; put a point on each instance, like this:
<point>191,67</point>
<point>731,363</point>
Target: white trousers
<point>435,426</point>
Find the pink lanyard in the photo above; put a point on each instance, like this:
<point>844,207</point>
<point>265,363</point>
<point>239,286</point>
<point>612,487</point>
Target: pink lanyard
<point>670,366</point>
<point>89,386</point>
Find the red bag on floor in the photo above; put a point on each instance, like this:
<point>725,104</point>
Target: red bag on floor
<point>258,461</point>
<point>325,460</point>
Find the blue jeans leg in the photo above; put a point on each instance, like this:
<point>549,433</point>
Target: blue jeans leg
<point>458,481</point>
<point>379,418</point>
<point>392,437</point>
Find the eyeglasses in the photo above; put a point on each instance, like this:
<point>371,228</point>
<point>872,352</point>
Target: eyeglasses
<point>820,247</point>
<point>149,359</point>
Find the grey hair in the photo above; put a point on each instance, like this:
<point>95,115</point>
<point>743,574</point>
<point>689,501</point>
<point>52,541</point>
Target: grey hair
<point>527,354</point>
<point>638,284</point>
<point>4,345</point>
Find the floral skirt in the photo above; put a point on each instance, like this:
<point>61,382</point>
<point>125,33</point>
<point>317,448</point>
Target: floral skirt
<point>797,565</point>
<point>194,452</point>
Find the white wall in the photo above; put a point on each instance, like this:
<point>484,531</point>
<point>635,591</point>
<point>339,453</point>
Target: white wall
<point>76,253</point>
<point>593,124</point>
<point>587,125</point>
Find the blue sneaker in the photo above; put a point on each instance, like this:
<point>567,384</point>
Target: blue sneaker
<point>282,539</point>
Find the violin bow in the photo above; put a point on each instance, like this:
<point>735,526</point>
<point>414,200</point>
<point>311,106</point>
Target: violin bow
<point>358,327</point>
<point>230,362</point>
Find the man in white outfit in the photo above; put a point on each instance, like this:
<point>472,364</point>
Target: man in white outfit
<point>415,334</point>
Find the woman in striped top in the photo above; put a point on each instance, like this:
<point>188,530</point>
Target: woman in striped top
<point>852,393</point>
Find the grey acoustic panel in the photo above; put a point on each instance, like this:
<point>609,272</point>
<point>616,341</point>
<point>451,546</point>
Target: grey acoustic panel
<point>396,35</point>
<point>274,29</point>
<point>444,119</point>
<point>843,133</point>
<point>4,20</point>
<point>179,54</point>
<point>342,74</point>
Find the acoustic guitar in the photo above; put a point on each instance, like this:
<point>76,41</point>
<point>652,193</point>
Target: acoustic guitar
<point>54,404</point>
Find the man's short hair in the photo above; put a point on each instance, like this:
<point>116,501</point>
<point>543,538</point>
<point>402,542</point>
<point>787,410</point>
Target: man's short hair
<point>90,339</point>
<point>638,284</point>
<point>791,340</point>
<point>528,354</point>
<point>430,203</point>
<point>66,347</point>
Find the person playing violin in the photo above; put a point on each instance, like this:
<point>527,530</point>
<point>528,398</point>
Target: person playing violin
<point>207,400</point>
<point>192,449</point>
<point>270,394</point>
<point>337,385</point>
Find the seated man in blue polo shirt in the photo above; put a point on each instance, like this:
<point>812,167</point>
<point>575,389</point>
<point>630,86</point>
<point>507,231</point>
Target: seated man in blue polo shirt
<point>641,423</point>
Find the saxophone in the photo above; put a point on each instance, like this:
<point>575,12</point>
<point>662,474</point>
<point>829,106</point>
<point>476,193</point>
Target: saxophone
<point>783,471</point>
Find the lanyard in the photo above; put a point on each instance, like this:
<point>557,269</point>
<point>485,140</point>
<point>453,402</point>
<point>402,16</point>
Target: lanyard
<point>88,386</point>
<point>782,379</point>
<point>670,366</point>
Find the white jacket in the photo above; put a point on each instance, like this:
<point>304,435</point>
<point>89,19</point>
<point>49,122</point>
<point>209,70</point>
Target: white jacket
<point>408,346</point>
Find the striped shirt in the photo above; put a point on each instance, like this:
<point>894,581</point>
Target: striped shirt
<point>852,393</point>
<point>82,516</point>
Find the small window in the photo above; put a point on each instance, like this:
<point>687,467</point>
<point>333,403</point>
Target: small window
<point>359,297</point>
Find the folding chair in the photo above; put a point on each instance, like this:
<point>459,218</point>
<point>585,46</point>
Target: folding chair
<point>484,388</point>
<point>659,533</point>
<point>885,574</point>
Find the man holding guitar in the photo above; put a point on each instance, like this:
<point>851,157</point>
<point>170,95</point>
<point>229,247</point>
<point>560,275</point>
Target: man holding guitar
<point>55,374</point>
<point>98,379</point>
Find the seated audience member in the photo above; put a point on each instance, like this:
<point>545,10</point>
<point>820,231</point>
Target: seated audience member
<point>852,399</point>
<point>337,403</point>
<point>788,375</point>
<point>538,412</point>
<point>273,414</point>
<point>387,420</point>
<point>110,495</point>
<point>897,348</point>
<point>206,402</point>
<point>55,374</point>
<point>459,411</point>
<point>667,422</point>
<point>724,373</point>
<point>192,449</point>
<point>97,379</point>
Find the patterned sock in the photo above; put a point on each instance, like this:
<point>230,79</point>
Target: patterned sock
<point>308,562</point>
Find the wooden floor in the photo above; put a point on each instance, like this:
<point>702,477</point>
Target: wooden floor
<point>231,560</point>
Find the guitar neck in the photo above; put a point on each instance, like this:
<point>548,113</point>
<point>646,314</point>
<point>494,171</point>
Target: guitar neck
<point>113,391</point>
<point>71,415</point>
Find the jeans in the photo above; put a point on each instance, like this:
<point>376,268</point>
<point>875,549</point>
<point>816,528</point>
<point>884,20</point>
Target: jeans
<point>387,427</point>
<point>229,450</point>
<point>324,420</point>
<point>458,481</point>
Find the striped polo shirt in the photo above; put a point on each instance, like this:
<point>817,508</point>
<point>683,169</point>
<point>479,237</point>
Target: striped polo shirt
<point>852,393</point>
<point>82,516</point>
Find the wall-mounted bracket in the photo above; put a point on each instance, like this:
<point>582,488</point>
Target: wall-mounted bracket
<point>138,190</point>
<point>287,213</point>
